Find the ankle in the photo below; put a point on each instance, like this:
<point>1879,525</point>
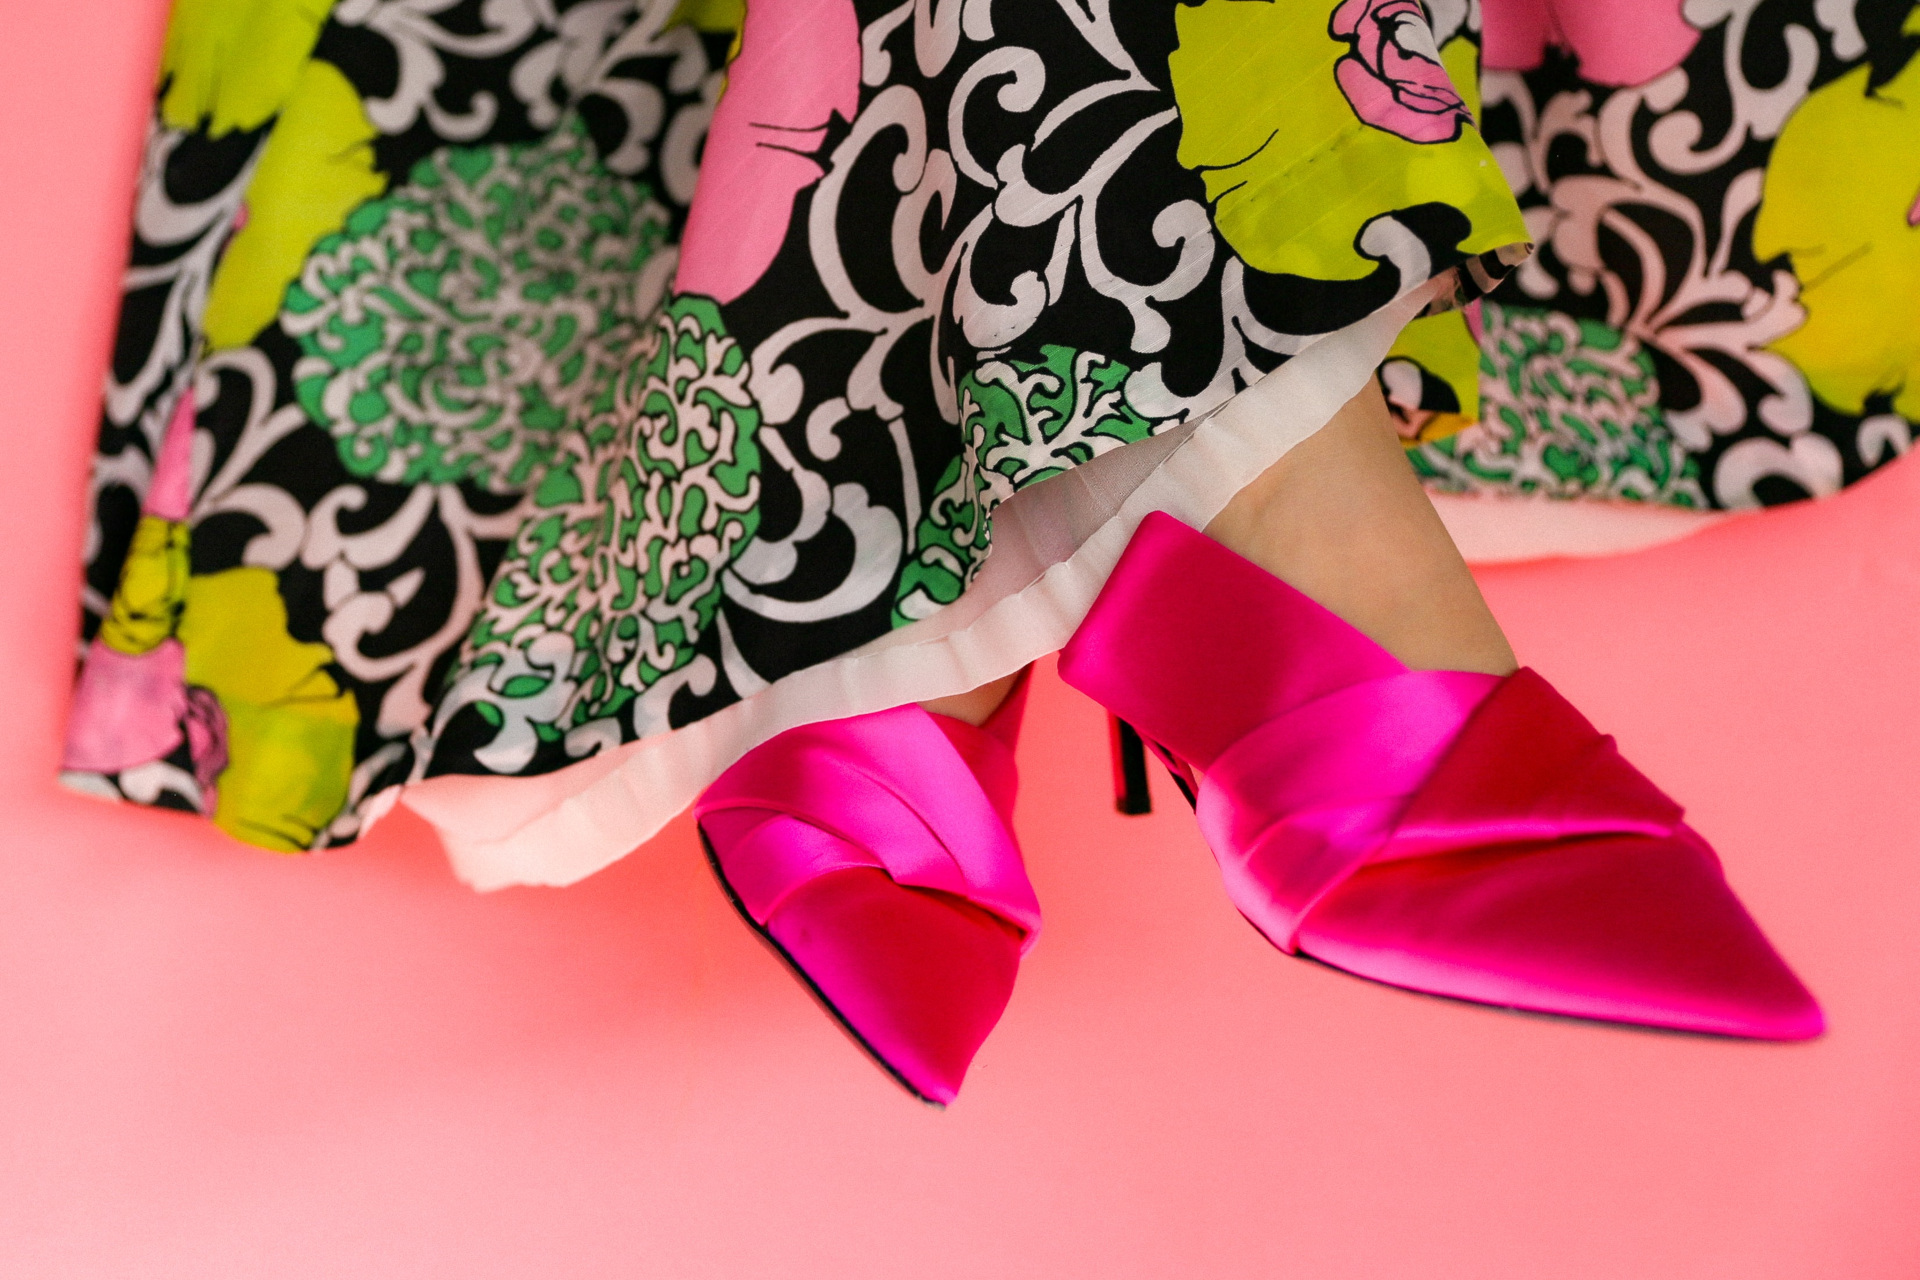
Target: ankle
<point>1343,520</point>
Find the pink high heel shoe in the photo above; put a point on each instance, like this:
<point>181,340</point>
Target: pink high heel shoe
<point>876,856</point>
<point>1450,832</point>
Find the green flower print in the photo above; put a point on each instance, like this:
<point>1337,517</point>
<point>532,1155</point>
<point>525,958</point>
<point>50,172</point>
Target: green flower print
<point>460,323</point>
<point>615,572</point>
<point>1020,423</point>
<point>1568,408</point>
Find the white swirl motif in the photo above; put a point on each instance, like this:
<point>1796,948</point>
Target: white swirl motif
<point>1683,316</point>
<point>932,182</point>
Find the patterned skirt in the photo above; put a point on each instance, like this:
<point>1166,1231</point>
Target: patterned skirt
<point>523,408</point>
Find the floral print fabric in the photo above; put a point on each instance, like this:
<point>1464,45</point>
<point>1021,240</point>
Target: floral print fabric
<point>450,431</point>
<point>1722,311</point>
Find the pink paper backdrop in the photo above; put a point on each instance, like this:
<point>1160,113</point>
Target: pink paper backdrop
<point>219,1063</point>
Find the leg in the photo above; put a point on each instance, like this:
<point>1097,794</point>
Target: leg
<point>1343,520</point>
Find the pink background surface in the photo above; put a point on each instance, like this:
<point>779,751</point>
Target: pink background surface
<point>219,1063</point>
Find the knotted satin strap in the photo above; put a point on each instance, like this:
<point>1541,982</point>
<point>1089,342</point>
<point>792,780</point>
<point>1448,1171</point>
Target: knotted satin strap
<point>1412,765</point>
<point>1528,768</point>
<point>886,790</point>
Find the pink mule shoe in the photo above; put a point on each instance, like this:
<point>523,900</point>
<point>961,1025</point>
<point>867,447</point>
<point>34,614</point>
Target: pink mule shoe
<point>1461,834</point>
<point>876,856</point>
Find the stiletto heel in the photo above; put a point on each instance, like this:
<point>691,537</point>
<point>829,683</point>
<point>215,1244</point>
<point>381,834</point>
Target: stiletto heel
<point>876,856</point>
<point>1129,754</point>
<point>1451,832</point>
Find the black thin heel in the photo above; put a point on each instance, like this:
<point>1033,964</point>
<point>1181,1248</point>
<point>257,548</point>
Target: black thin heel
<point>1130,795</point>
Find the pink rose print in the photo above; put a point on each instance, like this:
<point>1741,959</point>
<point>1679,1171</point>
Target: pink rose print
<point>1393,75</point>
<point>206,726</point>
<point>128,707</point>
<point>799,65</point>
<point>170,492</point>
<point>1618,42</point>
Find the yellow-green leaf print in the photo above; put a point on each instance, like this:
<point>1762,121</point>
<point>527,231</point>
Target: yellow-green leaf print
<point>315,169</point>
<point>153,581</point>
<point>1842,199</point>
<point>1291,169</point>
<point>1461,57</point>
<point>717,17</point>
<point>1445,349</point>
<point>721,17</point>
<point>232,64</point>
<point>290,727</point>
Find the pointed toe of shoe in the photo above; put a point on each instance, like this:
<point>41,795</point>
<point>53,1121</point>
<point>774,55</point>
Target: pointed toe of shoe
<point>918,977</point>
<point>1619,929</point>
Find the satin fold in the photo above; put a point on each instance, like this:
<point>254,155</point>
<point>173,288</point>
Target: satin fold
<point>888,790</point>
<point>1303,801</point>
<point>1453,832</point>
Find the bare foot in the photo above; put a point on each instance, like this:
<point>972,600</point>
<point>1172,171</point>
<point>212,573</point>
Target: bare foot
<point>1343,519</point>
